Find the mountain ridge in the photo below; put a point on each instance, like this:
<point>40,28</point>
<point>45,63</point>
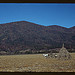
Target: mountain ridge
<point>24,35</point>
<point>37,24</point>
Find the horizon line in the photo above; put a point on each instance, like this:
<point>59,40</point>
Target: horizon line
<point>35,23</point>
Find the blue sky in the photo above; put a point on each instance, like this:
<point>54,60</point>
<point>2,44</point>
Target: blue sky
<point>39,13</point>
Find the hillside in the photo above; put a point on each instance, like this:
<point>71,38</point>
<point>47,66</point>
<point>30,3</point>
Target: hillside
<point>23,35</point>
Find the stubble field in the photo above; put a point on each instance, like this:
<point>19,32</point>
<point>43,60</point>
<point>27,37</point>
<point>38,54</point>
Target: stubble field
<point>35,63</point>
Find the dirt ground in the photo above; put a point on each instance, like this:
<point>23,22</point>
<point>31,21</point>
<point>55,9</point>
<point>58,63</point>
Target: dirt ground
<point>35,63</point>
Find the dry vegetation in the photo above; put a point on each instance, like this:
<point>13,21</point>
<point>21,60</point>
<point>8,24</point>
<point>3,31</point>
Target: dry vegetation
<point>35,63</point>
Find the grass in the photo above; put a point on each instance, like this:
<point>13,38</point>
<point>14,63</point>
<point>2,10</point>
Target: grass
<point>35,63</point>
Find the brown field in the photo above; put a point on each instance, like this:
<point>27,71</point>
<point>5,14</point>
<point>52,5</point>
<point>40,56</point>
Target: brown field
<point>35,63</point>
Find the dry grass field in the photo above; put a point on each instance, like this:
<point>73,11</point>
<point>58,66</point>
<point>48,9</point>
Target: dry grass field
<point>35,63</point>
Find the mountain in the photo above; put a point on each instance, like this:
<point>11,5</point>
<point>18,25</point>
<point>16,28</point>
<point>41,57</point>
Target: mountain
<point>23,35</point>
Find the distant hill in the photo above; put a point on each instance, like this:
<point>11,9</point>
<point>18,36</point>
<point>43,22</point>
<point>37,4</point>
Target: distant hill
<point>23,35</point>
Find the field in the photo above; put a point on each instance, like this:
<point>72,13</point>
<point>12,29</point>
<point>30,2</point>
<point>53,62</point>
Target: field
<point>35,63</point>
